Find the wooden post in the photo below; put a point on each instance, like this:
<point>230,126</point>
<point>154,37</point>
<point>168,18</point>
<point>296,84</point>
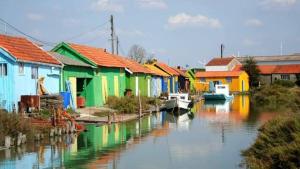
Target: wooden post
<point>140,110</point>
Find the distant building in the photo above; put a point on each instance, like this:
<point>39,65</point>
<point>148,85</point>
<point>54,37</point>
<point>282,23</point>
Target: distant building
<point>222,64</point>
<point>274,60</point>
<point>238,81</point>
<point>271,73</point>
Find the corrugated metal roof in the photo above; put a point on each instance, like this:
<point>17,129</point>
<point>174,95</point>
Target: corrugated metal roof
<point>68,61</point>
<point>293,57</point>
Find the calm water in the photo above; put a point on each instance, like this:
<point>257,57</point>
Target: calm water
<point>214,138</point>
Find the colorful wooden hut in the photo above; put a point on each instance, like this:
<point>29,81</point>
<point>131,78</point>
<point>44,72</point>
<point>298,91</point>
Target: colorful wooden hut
<point>22,64</point>
<point>109,71</point>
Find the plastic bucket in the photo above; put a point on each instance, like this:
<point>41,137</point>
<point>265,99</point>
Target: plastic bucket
<point>66,98</point>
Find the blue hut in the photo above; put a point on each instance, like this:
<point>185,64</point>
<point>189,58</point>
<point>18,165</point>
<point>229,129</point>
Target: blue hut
<point>22,64</point>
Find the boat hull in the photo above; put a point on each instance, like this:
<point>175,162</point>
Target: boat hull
<point>212,96</point>
<point>181,104</point>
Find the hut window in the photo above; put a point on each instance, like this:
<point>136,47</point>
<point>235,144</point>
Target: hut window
<point>34,72</point>
<point>21,68</point>
<point>202,79</point>
<point>3,69</point>
<point>285,77</point>
<point>228,79</point>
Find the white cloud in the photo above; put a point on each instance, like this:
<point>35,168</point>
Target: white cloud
<point>254,23</point>
<point>35,17</point>
<point>186,20</point>
<point>107,5</point>
<point>153,4</point>
<point>278,3</point>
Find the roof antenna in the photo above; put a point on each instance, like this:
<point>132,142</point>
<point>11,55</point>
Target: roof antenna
<point>222,49</point>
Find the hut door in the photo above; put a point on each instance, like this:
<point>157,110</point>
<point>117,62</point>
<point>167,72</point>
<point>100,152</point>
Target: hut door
<point>73,82</point>
<point>104,88</point>
<point>116,86</point>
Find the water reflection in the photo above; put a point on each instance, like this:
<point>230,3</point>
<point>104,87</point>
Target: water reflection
<point>213,139</point>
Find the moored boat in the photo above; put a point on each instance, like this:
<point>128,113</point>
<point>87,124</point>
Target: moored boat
<point>221,93</point>
<point>178,100</point>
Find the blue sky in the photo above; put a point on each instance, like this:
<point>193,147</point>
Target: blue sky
<point>178,32</point>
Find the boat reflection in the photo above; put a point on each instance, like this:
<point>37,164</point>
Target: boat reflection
<point>179,120</point>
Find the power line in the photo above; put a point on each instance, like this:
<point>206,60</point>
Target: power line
<point>27,35</point>
<point>88,31</point>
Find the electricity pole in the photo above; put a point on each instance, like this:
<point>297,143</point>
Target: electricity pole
<point>112,34</point>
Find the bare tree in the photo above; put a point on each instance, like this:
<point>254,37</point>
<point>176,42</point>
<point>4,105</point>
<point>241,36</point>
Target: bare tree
<point>137,53</point>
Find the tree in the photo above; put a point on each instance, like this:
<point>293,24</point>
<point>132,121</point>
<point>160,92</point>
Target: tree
<point>137,53</point>
<point>252,70</point>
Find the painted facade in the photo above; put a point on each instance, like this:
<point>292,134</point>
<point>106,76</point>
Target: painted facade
<point>109,73</point>
<point>172,80</point>
<point>238,81</point>
<point>159,81</point>
<point>22,63</point>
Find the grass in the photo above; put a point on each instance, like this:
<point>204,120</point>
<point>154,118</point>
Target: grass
<point>130,104</point>
<point>277,145</point>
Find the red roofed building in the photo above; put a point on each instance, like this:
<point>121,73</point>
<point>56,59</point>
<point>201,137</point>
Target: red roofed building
<point>222,64</point>
<point>172,82</point>
<point>270,73</point>
<point>22,65</point>
<point>108,71</point>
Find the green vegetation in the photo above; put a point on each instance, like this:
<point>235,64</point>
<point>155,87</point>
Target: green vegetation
<point>252,70</point>
<point>275,97</point>
<point>277,145</point>
<point>12,124</point>
<point>285,83</point>
<point>130,104</point>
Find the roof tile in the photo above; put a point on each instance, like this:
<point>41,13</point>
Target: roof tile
<point>97,55</point>
<point>25,50</point>
<point>167,68</point>
<point>219,61</point>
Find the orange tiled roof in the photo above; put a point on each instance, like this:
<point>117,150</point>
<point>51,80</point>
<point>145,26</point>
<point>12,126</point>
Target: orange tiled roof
<point>181,72</point>
<point>273,69</point>
<point>219,61</point>
<point>25,50</point>
<point>287,69</point>
<point>218,74</point>
<point>167,69</point>
<point>97,55</point>
<point>156,71</point>
<point>133,65</point>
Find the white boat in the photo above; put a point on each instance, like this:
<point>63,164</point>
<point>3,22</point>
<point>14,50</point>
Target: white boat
<point>178,100</point>
<point>221,93</point>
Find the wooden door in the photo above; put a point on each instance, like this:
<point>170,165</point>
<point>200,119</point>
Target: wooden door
<point>104,88</point>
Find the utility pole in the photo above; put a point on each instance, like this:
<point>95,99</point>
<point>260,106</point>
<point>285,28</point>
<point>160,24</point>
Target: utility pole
<point>117,45</point>
<point>112,34</point>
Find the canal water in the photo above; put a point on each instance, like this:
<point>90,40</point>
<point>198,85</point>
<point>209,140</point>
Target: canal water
<point>212,138</point>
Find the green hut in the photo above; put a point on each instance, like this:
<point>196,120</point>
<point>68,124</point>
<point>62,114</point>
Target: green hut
<point>138,77</point>
<point>83,77</point>
<point>109,71</point>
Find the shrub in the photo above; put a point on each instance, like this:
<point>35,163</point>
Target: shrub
<point>11,124</point>
<point>277,145</point>
<point>130,104</point>
<point>285,83</point>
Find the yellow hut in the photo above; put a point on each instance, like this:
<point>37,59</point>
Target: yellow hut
<point>238,81</point>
